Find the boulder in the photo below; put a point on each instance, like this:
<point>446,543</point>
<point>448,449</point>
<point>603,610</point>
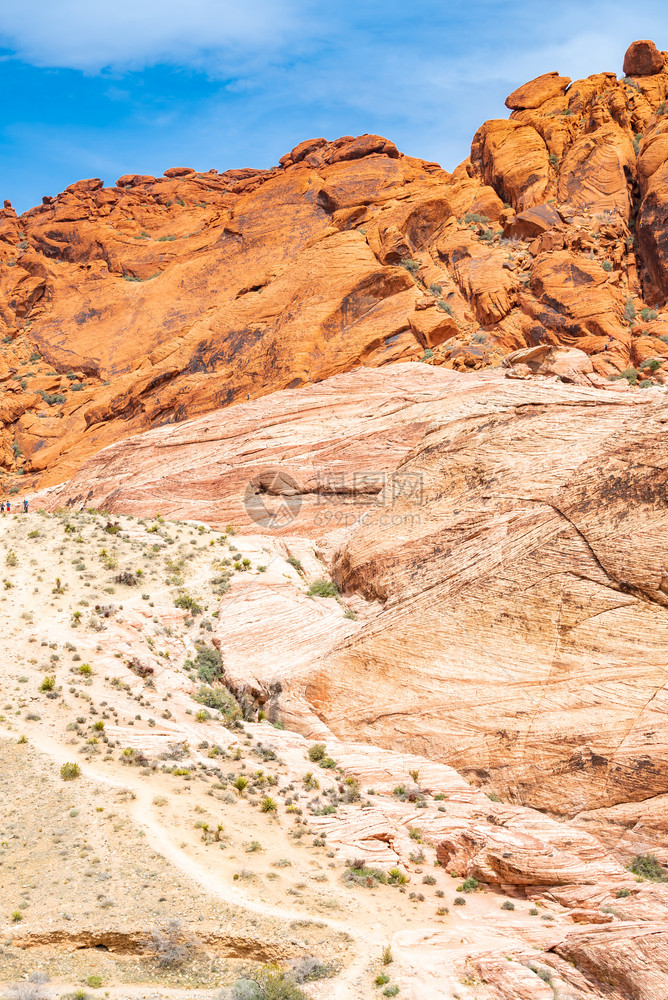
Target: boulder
<point>642,58</point>
<point>538,91</point>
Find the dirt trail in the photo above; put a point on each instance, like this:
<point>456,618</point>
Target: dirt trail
<point>346,986</point>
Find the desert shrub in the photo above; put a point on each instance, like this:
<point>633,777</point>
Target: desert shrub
<point>629,311</point>
<point>395,876</point>
<point>630,374</point>
<point>11,559</point>
<point>652,364</point>
<point>52,398</point>
<point>459,901</point>
<point>323,588</point>
<point>648,866</point>
<point>220,700</point>
<point>169,945</point>
<point>507,905</point>
<point>429,880</point>
<point>188,603</point>
<point>268,804</point>
<point>309,968</point>
<point>469,884</point>
<point>386,956</point>
<point>358,873</point>
<point>412,266</point>
<point>648,314</point>
<point>269,983</point>
<point>70,771</point>
<point>33,988</point>
<point>94,981</point>
<point>621,893</point>
<point>317,752</point>
<point>391,991</point>
<point>127,578</point>
<point>240,783</point>
<point>381,979</point>
<point>476,217</point>
<point>606,265</point>
<point>352,791</point>
<point>48,684</point>
<point>209,664</point>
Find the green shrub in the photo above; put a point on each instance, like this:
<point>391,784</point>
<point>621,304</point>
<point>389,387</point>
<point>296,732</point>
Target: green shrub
<point>323,588</point>
<point>48,684</point>
<point>188,603</point>
<point>395,876</point>
<point>622,893</point>
<point>652,365</point>
<point>209,664</point>
<point>357,872</point>
<point>391,991</point>
<point>649,867</point>
<point>52,398</point>
<point>268,804</point>
<point>220,700</point>
<point>476,217</point>
<point>507,905</point>
<point>469,884</point>
<point>459,901</point>
<point>629,311</point>
<point>648,314</point>
<point>69,771</point>
<point>607,265</point>
<point>94,981</point>
<point>630,374</point>
<point>317,752</point>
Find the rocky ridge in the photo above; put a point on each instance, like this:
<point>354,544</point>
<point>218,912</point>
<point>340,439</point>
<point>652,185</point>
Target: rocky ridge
<point>159,299</point>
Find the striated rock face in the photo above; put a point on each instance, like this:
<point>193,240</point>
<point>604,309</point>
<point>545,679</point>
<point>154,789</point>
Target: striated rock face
<point>161,298</point>
<point>504,534</point>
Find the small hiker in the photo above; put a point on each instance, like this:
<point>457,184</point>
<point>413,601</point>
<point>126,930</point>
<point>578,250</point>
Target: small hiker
<point>9,506</point>
<point>25,506</point>
<point>2,506</point>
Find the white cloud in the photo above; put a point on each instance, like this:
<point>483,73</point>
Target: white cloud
<point>132,34</point>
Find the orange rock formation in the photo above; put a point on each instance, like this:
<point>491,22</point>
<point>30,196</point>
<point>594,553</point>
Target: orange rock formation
<point>163,298</point>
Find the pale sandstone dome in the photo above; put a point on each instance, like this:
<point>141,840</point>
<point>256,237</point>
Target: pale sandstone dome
<point>519,611</point>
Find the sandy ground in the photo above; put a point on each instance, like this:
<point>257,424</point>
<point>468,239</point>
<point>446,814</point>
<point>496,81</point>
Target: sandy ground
<point>90,867</point>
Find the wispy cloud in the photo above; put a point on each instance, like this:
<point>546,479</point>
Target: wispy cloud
<point>151,84</point>
<point>84,35</point>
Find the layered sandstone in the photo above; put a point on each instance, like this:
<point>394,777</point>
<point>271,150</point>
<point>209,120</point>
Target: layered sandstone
<point>158,299</point>
<point>499,536</point>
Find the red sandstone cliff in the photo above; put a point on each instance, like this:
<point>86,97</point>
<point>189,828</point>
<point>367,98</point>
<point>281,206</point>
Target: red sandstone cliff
<point>163,298</point>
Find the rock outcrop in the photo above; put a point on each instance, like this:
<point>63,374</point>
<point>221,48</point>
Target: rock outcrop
<point>161,298</point>
<point>503,534</point>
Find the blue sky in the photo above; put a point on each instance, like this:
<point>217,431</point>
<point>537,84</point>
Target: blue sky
<point>143,85</point>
